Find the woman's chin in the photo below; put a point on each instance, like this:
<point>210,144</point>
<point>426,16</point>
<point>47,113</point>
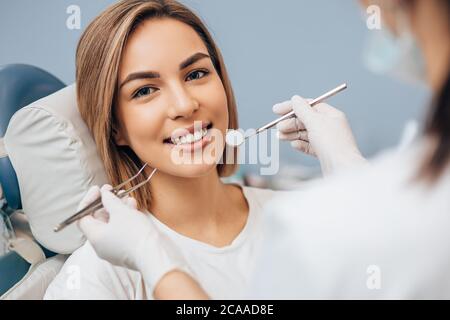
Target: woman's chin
<point>191,170</point>
<point>193,160</point>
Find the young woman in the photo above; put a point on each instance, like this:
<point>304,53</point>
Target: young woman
<point>152,84</point>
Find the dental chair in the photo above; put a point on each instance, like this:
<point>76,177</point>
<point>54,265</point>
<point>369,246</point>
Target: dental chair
<point>48,160</point>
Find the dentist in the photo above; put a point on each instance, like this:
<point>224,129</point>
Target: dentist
<point>377,231</point>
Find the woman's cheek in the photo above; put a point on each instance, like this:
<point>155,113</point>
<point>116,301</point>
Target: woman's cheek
<point>144,125</point>
<point>216,100</point>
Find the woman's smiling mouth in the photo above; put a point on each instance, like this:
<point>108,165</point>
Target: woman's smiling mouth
<point>192,138</point>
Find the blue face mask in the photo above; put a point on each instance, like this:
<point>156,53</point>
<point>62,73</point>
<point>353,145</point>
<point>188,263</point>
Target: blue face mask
<point>398,56</point>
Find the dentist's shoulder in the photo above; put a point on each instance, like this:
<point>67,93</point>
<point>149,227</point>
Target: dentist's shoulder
<point>363,233</point>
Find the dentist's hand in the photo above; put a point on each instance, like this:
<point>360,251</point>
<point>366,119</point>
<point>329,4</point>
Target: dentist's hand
<point>321,131</point>
<point>126,237</point>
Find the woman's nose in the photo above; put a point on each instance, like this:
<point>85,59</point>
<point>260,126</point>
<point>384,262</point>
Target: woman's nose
<point>184,104</point>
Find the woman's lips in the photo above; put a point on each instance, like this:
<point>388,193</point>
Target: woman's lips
<point>177,133</point>
<point>193,146</point>
<point>198,125</point>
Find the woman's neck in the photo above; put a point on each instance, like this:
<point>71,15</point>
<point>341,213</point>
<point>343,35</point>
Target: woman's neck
<point>192,205</point>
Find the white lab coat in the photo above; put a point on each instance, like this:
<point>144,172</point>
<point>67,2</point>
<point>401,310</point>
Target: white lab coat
<point>369,233</point>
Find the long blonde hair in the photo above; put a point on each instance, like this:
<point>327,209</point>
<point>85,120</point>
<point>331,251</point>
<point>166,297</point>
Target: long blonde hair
<point>98,56</point>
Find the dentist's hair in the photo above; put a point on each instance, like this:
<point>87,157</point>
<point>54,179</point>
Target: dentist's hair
<point>98,56</point>
<point>438,124</point>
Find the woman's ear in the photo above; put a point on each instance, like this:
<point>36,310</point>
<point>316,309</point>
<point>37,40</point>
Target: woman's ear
<point>118,137</point>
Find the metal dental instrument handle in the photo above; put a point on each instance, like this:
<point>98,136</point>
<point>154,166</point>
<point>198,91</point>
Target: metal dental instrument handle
<point>291,114</point>
<point>97,204</point>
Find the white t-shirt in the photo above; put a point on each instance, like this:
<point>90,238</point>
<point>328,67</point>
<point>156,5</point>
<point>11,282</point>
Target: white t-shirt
<point>224,273</point>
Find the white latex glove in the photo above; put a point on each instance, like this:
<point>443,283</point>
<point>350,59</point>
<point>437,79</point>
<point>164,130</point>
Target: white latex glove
<point>321,131</point>
<point>126,237</point>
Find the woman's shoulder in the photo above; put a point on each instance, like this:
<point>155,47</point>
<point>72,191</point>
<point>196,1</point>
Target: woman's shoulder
<point>86,276</point>
<point>261,196</point>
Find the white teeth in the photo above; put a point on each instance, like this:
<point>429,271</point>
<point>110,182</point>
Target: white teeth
<point>190,138</point>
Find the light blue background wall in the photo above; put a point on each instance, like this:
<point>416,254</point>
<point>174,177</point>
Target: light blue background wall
<point>273,49</point>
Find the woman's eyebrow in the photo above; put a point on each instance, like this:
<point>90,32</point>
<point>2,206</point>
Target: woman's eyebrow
<point>152,75</point>
<point>193,59</point>
<point>139,75</point>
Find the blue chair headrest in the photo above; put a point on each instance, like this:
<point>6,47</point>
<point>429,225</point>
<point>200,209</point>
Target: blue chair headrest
<point>20,85</point>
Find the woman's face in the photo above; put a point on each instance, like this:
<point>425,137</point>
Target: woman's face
<point>171,104</point>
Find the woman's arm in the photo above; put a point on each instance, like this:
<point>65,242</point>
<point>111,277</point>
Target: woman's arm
<point>177,285</point>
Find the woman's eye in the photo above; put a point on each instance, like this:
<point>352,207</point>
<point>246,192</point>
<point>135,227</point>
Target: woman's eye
<point>195,75</point>
<point>145,91</point>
